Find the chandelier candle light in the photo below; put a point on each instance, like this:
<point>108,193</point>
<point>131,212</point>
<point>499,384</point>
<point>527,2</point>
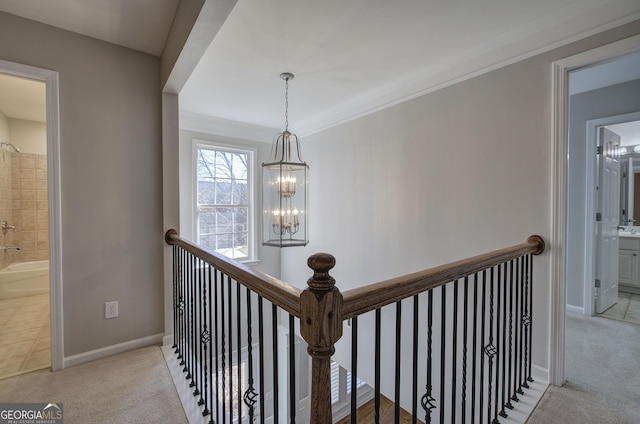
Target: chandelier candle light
<point>285,181</point>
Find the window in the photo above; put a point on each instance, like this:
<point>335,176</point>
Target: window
<point>341,385</point>
<point>224,213</point>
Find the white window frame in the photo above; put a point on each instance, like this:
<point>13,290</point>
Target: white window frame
<point>340,386</point>
<point>252,254</point>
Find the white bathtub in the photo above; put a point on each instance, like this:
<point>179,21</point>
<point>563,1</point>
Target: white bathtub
<point>24,279</point>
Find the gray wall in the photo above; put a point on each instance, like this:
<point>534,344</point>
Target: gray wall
<point>610,101</point>
<point>110,150</point>
<point>455,173</point>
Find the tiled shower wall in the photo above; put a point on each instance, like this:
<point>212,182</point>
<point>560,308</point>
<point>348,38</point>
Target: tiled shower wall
<point>23,203</point>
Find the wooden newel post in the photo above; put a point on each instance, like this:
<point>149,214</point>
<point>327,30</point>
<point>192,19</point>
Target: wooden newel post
<point>321,327</point>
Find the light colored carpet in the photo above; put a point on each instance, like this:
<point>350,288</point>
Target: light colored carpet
<point>132,387</point>
<point>602,367</point>
<point>570,404</point>
<point>603,356</point>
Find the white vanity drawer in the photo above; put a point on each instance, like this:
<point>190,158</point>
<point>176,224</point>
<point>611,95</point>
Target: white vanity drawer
<point>629,243</point>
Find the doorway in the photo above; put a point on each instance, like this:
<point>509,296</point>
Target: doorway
<point>574,216</point>
<point>42,160</point>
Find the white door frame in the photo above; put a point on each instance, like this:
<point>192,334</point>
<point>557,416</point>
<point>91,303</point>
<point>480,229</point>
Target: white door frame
<point>50,78</point>
<point>560,127</point>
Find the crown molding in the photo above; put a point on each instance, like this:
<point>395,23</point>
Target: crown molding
<point>191,121</point>
<point>533,39</point>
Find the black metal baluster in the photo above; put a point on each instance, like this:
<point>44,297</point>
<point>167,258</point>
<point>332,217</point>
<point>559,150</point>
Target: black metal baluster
<point>526,321</point>
<point>239,351</point>
<point>216,337</point>
<point>230,367</point>
<point>192,327</point>
<point>510,367</point>
<point>180,313</point>
<point>250,396</point>
<point>482,339</point>
<point>465,326</point>
<point>505,283</point>
<point>474,362</point>
<point>276,375</point>
<point>498,357</point>
<point>183,311</point>
<point>193,350</point>
<point>443,328</point>
<point>293,404</point>
<point>223,356</point>
<point>376,398</point>
<point>529,377</point>
<point>174,292</point>
<point>427,401</point>
<point>354,369</point>
<point>397,370</point>
<point>521,329</point>
<point>414,397</point>
<point>185,300</point>
<point>490,349</point>
<point>197,370</point>
<point>213,334</point>
<point>454,353</point>
<point>518,336</point>
<point>205,337</point>
<point>261,358</point>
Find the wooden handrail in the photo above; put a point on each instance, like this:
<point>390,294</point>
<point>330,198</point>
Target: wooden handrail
<point>322,309</point>
<point>275,291</point>
<point>371,297</point>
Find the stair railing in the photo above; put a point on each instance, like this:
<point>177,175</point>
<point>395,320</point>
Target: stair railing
<point>470,370</point>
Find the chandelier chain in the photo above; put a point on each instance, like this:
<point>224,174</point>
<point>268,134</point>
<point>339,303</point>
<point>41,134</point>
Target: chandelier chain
<point>286,104</point>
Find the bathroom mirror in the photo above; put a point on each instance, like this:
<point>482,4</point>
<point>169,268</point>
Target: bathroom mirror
<point>630,189</point>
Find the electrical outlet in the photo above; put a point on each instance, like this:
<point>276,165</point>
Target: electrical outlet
<point>111,309</point>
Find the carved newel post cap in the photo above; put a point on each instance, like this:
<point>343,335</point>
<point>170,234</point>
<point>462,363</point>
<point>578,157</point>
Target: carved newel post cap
<point>321,264</point>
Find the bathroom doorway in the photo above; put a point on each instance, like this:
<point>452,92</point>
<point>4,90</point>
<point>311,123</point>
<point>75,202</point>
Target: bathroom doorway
<point>25,331</point>
<point>46,169</point>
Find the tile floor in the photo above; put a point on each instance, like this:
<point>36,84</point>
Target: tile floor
<point>25,336</point>
<point>627,309</point>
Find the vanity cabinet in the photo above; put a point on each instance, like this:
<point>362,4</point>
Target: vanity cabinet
<point>628,260</point>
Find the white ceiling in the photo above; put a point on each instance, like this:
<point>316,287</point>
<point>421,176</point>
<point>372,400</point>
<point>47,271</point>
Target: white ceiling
<point>629,132</point>
<point>349,58</point>
<point>22,98</point>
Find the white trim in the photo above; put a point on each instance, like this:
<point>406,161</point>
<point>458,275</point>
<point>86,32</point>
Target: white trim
<point>560,109</point>
<point>223,127</point>
<point>575,309</point>
<point>191,409</point>
<point>252,170</point>
<point>167,340</point>
<point>103,352</point>
<point>50,78</point>
<point>590,207</point>
<point>471,63</point>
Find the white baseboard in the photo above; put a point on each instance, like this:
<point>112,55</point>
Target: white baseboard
<point>92,355</point>
<point>539,373</point>
<point>575,309</point>
<point>526,404</point>
<point>167,340</point>
<point>190,406</point>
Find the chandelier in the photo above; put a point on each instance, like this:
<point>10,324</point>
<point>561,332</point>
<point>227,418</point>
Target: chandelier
<point>285,181</point>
